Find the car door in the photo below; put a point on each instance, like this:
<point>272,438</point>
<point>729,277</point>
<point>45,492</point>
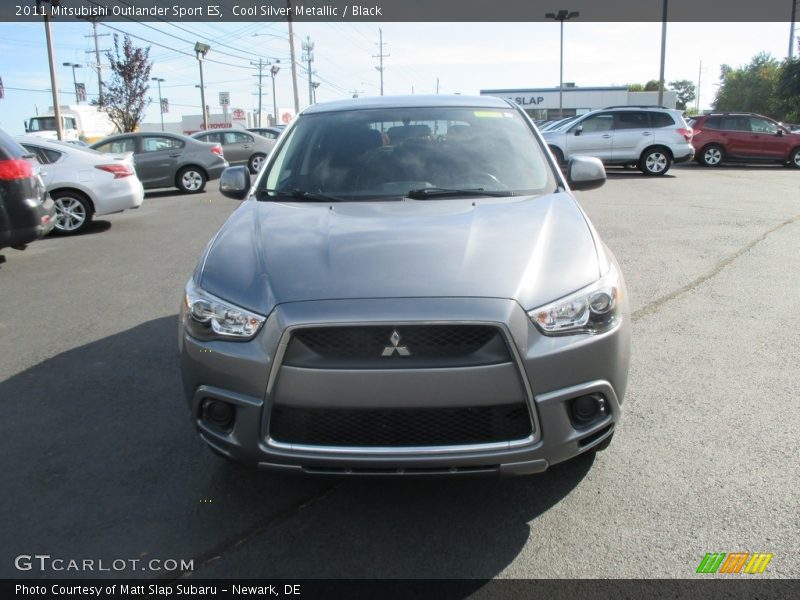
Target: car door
<point>592,136</point>
<point>736,135</point>
<point>632,132</point>
<point>765,142</point>
<point>237,146</point>
<point>157,159</point>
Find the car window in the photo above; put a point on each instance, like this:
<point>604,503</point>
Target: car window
<point>761,125</point>
<point>118,146</point>
<point>597,123</point>
<point>379,153</point>
<point>661,119</point>
<point>45,155</point>
<point>736,124</point>
<point>713,123</point>
<point>630,120</point>
<point>210,138</point>
<point>70,122</point>
<point>158,143</point>
<point>235,137</point>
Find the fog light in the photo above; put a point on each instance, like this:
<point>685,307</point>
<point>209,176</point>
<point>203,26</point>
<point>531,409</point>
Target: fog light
<point>586,409</point>
<point>219,414</point>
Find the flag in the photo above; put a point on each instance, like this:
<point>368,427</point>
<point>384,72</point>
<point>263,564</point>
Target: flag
<point>80,92</point>
<point>164,106</point>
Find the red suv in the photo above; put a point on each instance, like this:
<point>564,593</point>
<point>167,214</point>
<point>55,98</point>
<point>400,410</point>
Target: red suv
<point>743,137</point>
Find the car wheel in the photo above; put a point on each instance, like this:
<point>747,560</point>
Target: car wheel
<point>191,180</point>
<point>655,161</point>
<point>794,160</point>
<point>558,155</point>
<point>256,162</point>
<point>712,156</point>
<point>73,212</point>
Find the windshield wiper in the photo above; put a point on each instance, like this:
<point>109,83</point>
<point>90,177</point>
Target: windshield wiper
<point>303,195</point>
<point>437,192</point>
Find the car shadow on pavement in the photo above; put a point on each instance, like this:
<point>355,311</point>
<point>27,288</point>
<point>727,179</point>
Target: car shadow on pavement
<point>152,195</point>
<point>95,226</point>
<point>101,461</point>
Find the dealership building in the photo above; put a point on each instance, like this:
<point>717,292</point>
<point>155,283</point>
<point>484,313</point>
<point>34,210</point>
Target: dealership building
<point>542,103</point>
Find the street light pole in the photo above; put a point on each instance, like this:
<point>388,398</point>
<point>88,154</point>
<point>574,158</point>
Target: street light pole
<point>200,51</point>
<point>74,81</point>
<point>274,71</point>
<point>160,102</point>
<point>791,29</point>
<point>561,16</point>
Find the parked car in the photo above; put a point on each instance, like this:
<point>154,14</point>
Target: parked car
<point>398,303</point>
<point>557,123</point>
<point>84,183</point>
<point>271,133</point>
<point>649,138</point>
<point>26,214</point>
<point>240,146</point>
<point>743,137</point>
<point>168,159</point>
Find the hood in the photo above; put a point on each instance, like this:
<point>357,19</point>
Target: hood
<point>531,249</point>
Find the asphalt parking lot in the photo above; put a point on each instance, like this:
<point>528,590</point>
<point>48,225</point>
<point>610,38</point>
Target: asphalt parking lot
<point>100,460</point>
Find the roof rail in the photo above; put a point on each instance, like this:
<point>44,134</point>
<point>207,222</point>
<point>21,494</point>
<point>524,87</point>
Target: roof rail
<point>637,106</point>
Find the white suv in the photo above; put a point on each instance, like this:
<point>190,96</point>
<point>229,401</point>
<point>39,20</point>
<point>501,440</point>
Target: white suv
<point>650,138</point>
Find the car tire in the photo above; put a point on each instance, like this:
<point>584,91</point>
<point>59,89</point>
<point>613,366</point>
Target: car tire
<point>711,156</point>
<point>558,155</point>
<point>74,212</point>
<point>256,162</point>
<point>794,158</point>
<point>191,180</point>
<point>655,162</point>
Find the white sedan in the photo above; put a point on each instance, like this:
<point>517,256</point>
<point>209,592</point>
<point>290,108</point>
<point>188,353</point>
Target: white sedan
<point>84,183</point>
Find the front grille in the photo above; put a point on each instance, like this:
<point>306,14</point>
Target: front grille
<point>413,346</point>
<point>400,426</point>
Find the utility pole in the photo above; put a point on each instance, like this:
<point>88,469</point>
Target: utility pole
<point>437,85</point>
<point>697,96</point>
<point>98,65</point>
<point>53,80</point>
<point>663,53</point>
<point>291,56</point>
<point>380,56</point>
<point>260,66</point>
<point>160,101</point>
<point>791,29</point>
<point>308,48</point>
<point>273,71</point>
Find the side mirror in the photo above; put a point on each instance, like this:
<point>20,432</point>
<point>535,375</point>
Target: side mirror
<point>26,127</point>
<point>780,132</point>
<point>578,130</point>
<point>585,173</point>
<point>235,182</point>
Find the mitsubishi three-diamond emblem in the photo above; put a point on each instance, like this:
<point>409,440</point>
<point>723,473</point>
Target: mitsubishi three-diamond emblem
<point>395,347</point>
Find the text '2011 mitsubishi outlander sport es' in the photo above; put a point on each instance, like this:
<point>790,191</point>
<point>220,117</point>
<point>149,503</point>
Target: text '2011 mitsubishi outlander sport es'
<point>409,287</point>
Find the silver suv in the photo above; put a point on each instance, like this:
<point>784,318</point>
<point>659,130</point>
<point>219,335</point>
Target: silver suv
<point>649,138</point>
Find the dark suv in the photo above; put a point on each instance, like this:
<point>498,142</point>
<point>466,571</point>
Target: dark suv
<point>25,215</point>
<point>743,137</point>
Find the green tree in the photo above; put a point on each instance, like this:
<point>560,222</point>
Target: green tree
<point>788,90</point>
<point>651,86</point>
<point>686,92</point>
<point>635,87</point>
<point>125,94</point>
<point>751,87</point>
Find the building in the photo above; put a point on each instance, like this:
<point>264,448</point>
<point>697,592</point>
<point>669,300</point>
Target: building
<point>542,103</point>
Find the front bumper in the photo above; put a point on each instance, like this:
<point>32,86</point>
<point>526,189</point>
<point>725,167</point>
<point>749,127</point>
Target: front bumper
<point>547,371</point>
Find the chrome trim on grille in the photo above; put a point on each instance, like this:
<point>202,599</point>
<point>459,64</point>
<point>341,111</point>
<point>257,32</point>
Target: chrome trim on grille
<point>277,363</point>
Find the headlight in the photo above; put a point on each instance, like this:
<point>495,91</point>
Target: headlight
<point>208,317</point>
<point>594,309</point>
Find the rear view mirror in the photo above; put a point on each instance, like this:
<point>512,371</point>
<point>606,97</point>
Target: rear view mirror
<point>235,182</point>
<point>585,173</point>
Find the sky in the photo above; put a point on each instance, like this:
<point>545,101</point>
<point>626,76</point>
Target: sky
<point>465,57</point>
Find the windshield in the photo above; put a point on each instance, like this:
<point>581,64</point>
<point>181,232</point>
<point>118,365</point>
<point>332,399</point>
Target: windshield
<point>383,153</point>
<point>43,124</point>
